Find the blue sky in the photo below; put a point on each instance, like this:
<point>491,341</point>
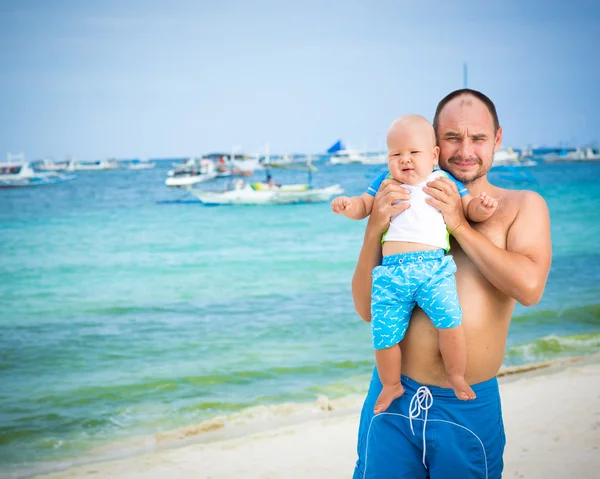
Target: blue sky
<point>171,78</point>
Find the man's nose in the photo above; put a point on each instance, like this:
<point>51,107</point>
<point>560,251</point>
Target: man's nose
<point>466,149</point>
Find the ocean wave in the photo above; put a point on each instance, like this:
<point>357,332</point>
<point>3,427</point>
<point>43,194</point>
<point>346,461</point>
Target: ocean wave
<point>226,426</point>
<point>587,314</point>
<point>553,347</point>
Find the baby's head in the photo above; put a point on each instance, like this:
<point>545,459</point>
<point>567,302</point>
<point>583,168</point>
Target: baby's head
<point>412,150</point>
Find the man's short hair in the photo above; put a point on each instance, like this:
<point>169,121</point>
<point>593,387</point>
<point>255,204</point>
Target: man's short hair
<point>466,91</point>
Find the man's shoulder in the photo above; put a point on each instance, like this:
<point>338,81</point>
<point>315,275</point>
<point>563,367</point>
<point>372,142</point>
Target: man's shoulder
<point>523,196</point>
<point>524,202</point>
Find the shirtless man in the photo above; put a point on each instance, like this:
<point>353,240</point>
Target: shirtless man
<point>428,433</point>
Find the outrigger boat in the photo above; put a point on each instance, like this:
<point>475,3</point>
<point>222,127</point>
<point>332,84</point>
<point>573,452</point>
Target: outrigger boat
<point>193,171</point>
<point>137,164</point>
<point>240,192</point>
<point>510,158</point>
<point>100,165</point>
<point>19,175</point>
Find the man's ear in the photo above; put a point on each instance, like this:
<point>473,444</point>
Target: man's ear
<point>498,139</point>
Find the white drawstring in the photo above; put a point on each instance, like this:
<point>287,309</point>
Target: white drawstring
<point>421,401</point>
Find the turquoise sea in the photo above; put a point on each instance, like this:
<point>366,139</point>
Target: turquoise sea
<point>127,321</point>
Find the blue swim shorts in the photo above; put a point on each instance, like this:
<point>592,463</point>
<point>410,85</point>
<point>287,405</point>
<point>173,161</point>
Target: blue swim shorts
<point>428,433</point>
<point>404,280</point>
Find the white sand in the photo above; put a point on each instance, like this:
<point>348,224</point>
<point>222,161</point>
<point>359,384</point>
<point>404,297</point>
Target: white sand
<point>552,421</point>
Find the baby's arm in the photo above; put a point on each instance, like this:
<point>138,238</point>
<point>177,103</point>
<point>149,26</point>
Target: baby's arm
<point>355,208</point>
<point>478,209</point>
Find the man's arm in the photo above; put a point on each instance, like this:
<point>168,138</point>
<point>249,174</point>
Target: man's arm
<point>520,271</point>
<point>369,257</point>
<point>383,209</point>
<point>478,209</point>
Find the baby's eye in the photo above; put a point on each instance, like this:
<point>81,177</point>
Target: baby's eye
<point>414,152</point>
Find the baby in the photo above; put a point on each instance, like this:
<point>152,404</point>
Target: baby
<point>416,269</point>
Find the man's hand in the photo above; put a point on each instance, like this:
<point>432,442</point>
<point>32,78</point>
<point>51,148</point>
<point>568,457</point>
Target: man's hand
<point>445,197</point>
<point>391,200</point>
<point>341,204</point>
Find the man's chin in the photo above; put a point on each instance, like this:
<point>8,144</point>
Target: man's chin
<point>465,177</point>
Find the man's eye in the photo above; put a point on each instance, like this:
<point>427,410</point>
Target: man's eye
<point>452,138</point>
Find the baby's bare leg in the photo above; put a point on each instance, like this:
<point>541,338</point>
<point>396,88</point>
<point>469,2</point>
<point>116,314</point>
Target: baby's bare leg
<point>389,368</point>
<point>454,354</point>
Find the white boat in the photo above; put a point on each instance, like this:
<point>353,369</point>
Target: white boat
<point>509,157</point>
<point>243,193</point>
<point>46,164</point>
<point>347,157</point>
<point>580,154</point>
<point>19,175</point>
<point>139,165</point>
<point>240,192</point>
<point>277,160</point>
<point>341,155</point>
<point>194,163</point>
<point>100,165</point>
<point>244,165</point>
<point>194,171</point>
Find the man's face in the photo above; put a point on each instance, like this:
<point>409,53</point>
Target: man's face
<point>466,138</point>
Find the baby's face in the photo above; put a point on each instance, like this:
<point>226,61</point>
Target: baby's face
<point>412,153</point>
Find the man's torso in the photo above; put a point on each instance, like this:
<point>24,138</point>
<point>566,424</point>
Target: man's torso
<point>486,310</point>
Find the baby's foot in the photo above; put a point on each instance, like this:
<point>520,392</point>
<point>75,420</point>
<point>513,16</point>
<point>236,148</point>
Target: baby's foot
<point>387,395</point>
<point>461,388</point>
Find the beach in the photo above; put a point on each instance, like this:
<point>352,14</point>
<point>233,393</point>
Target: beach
<point>138,328</point>
<point>551,416</point>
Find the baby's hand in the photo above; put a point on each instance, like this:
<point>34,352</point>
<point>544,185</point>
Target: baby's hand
<point>341,204</point>
<point>488,202</point>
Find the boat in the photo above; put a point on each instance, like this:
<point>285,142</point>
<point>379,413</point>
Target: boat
<point>510,158</point>
<point>341,155</point>
<point>195,170</point>
<point>136,164</point>
<point>346,157</point>
<point>579,154</point>
<point>46,164</point>
<point>244,165</point>
<point>100,165</point>
<point>240,192</point>
<point>284,159</point>
<point>244,193</point>
<point>20,175</point>
<point>268,160</point>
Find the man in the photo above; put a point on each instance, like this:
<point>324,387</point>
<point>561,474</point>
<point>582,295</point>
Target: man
<point>427,433</point>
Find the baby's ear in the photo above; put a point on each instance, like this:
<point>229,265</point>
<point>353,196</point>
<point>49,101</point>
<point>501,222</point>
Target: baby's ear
<point>436,155</point>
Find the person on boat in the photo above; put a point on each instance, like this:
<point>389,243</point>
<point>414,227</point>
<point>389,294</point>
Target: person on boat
<point>427,432</point>
<point>415,268</point>
<point>270,181</point>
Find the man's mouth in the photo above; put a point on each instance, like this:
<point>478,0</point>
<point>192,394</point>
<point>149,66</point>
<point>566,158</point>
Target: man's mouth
<point>464,163</point>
